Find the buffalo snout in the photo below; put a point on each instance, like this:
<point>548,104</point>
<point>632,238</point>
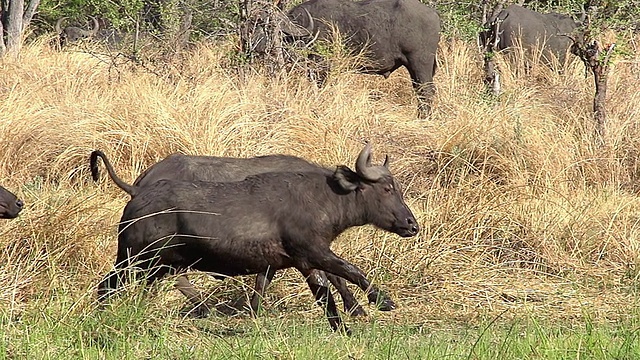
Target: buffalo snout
<point>10,205</point>
<point>408,227</point>
<point>12,210</point>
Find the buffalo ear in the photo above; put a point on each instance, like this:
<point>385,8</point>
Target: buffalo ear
<point>386,161</point>
<point>346,179</point>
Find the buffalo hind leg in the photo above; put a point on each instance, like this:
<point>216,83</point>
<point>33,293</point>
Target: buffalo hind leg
<point>109,285</point>
<point>319,286</point>
<point>332,263</point>
<point>120,275</point>
<point>421,68</point>
<point>116,278</point>
<point>201,308</point>
<point>262,282</point>
<point>351,305</point>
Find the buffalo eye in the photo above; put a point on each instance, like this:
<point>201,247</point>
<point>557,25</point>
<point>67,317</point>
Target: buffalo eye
<point>388,188</point>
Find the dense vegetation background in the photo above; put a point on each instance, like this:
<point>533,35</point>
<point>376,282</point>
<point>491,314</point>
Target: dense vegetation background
<point>530,240</point>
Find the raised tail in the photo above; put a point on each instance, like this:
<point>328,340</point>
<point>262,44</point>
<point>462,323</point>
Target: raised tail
<point>93,165</point>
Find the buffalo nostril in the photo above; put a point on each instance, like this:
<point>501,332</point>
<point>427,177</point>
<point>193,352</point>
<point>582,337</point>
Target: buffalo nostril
<point>413,226</point>
<point>19,203</point>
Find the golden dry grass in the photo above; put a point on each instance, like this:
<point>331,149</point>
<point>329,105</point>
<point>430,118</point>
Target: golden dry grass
<point>518,209</point>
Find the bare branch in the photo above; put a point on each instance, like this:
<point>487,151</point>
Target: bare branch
<point>607,56</point>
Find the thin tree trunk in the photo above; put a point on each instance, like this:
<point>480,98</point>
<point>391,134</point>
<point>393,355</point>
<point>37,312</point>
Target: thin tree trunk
<point>3,47</point>
<point>599,109</point>
<point>14,26</point>
<point>29,12</point>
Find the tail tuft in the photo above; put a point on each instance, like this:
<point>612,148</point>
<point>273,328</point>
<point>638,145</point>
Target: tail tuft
<point>93,164</point>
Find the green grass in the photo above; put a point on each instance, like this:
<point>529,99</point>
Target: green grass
<point>137,327</point>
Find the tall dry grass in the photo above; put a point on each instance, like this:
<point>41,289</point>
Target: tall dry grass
<point>519,210</point>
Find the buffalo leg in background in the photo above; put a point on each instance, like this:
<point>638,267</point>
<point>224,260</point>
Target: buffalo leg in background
<point>201,308</point>
<point>319,286</point>
<point>422,70</point>
<point>351,305</point>
<point>332,263</point>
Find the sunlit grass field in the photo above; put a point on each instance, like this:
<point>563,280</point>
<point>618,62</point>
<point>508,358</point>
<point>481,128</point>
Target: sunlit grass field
<point>530,239</point>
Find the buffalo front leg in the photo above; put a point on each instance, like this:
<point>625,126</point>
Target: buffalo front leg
<point>319,286</point>
<point>200,307</point>
<point>332,263</point>
<point>351,305</point>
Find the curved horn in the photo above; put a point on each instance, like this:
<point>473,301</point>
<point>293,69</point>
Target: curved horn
<point>92,32</point>
<point>96,26</point>
<point>311,25</point>
<point>364,168</point>
<point>292,28</point>
<point>59,25</point>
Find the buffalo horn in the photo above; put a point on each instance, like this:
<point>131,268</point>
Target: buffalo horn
<point>92,32</point>
<point>96,26</point>
<point>364,168</point>
<point>59,25</point>
<point>296,30</point>
<point>386,161</point>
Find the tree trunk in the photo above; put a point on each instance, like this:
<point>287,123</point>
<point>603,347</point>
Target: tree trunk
<point>599,110</point>
<point>3,47</point>
<point>14,19</point>
<point>29,12</point>
<point>13,32</point>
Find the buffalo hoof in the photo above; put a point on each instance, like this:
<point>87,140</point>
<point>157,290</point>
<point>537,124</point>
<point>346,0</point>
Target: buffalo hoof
<point>340,327</point>
<point>226,309</point>
<point>382,300</point>
<point>201,311</point>
<point>386,305</point>
<point>345,330</point>
<point>356,311</point>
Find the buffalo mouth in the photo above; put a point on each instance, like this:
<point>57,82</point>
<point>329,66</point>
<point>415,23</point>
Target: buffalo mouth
<point>406,230</point>
<point>7,214</point>
<point>11,212</point>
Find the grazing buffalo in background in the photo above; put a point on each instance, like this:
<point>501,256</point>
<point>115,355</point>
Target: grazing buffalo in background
<point>71,34</point>
<point>10,205</point>
<point>223,169</point>
<point>518,26</point>
<point>393,33</point>
<point>267,221</point>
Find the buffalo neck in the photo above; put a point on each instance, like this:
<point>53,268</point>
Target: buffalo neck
<point>338,209</point>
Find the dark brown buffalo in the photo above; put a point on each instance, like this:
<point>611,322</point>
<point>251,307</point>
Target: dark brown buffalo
<point>519,26</point>
<point>10,205</point>
<point>267,221</point>
<point>393,33</point>
<point>224,169</point>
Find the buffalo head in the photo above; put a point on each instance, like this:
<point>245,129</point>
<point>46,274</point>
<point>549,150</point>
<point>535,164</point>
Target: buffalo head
<point>10,205</point>
<point>379,193</point>
<point>74,33</point>
<point>261,31</point>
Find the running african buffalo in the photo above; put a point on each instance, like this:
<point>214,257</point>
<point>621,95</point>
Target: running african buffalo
<point>10,205</point>
<point>267,221</point>
<point>393,33</point>
<point>181,167</point>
